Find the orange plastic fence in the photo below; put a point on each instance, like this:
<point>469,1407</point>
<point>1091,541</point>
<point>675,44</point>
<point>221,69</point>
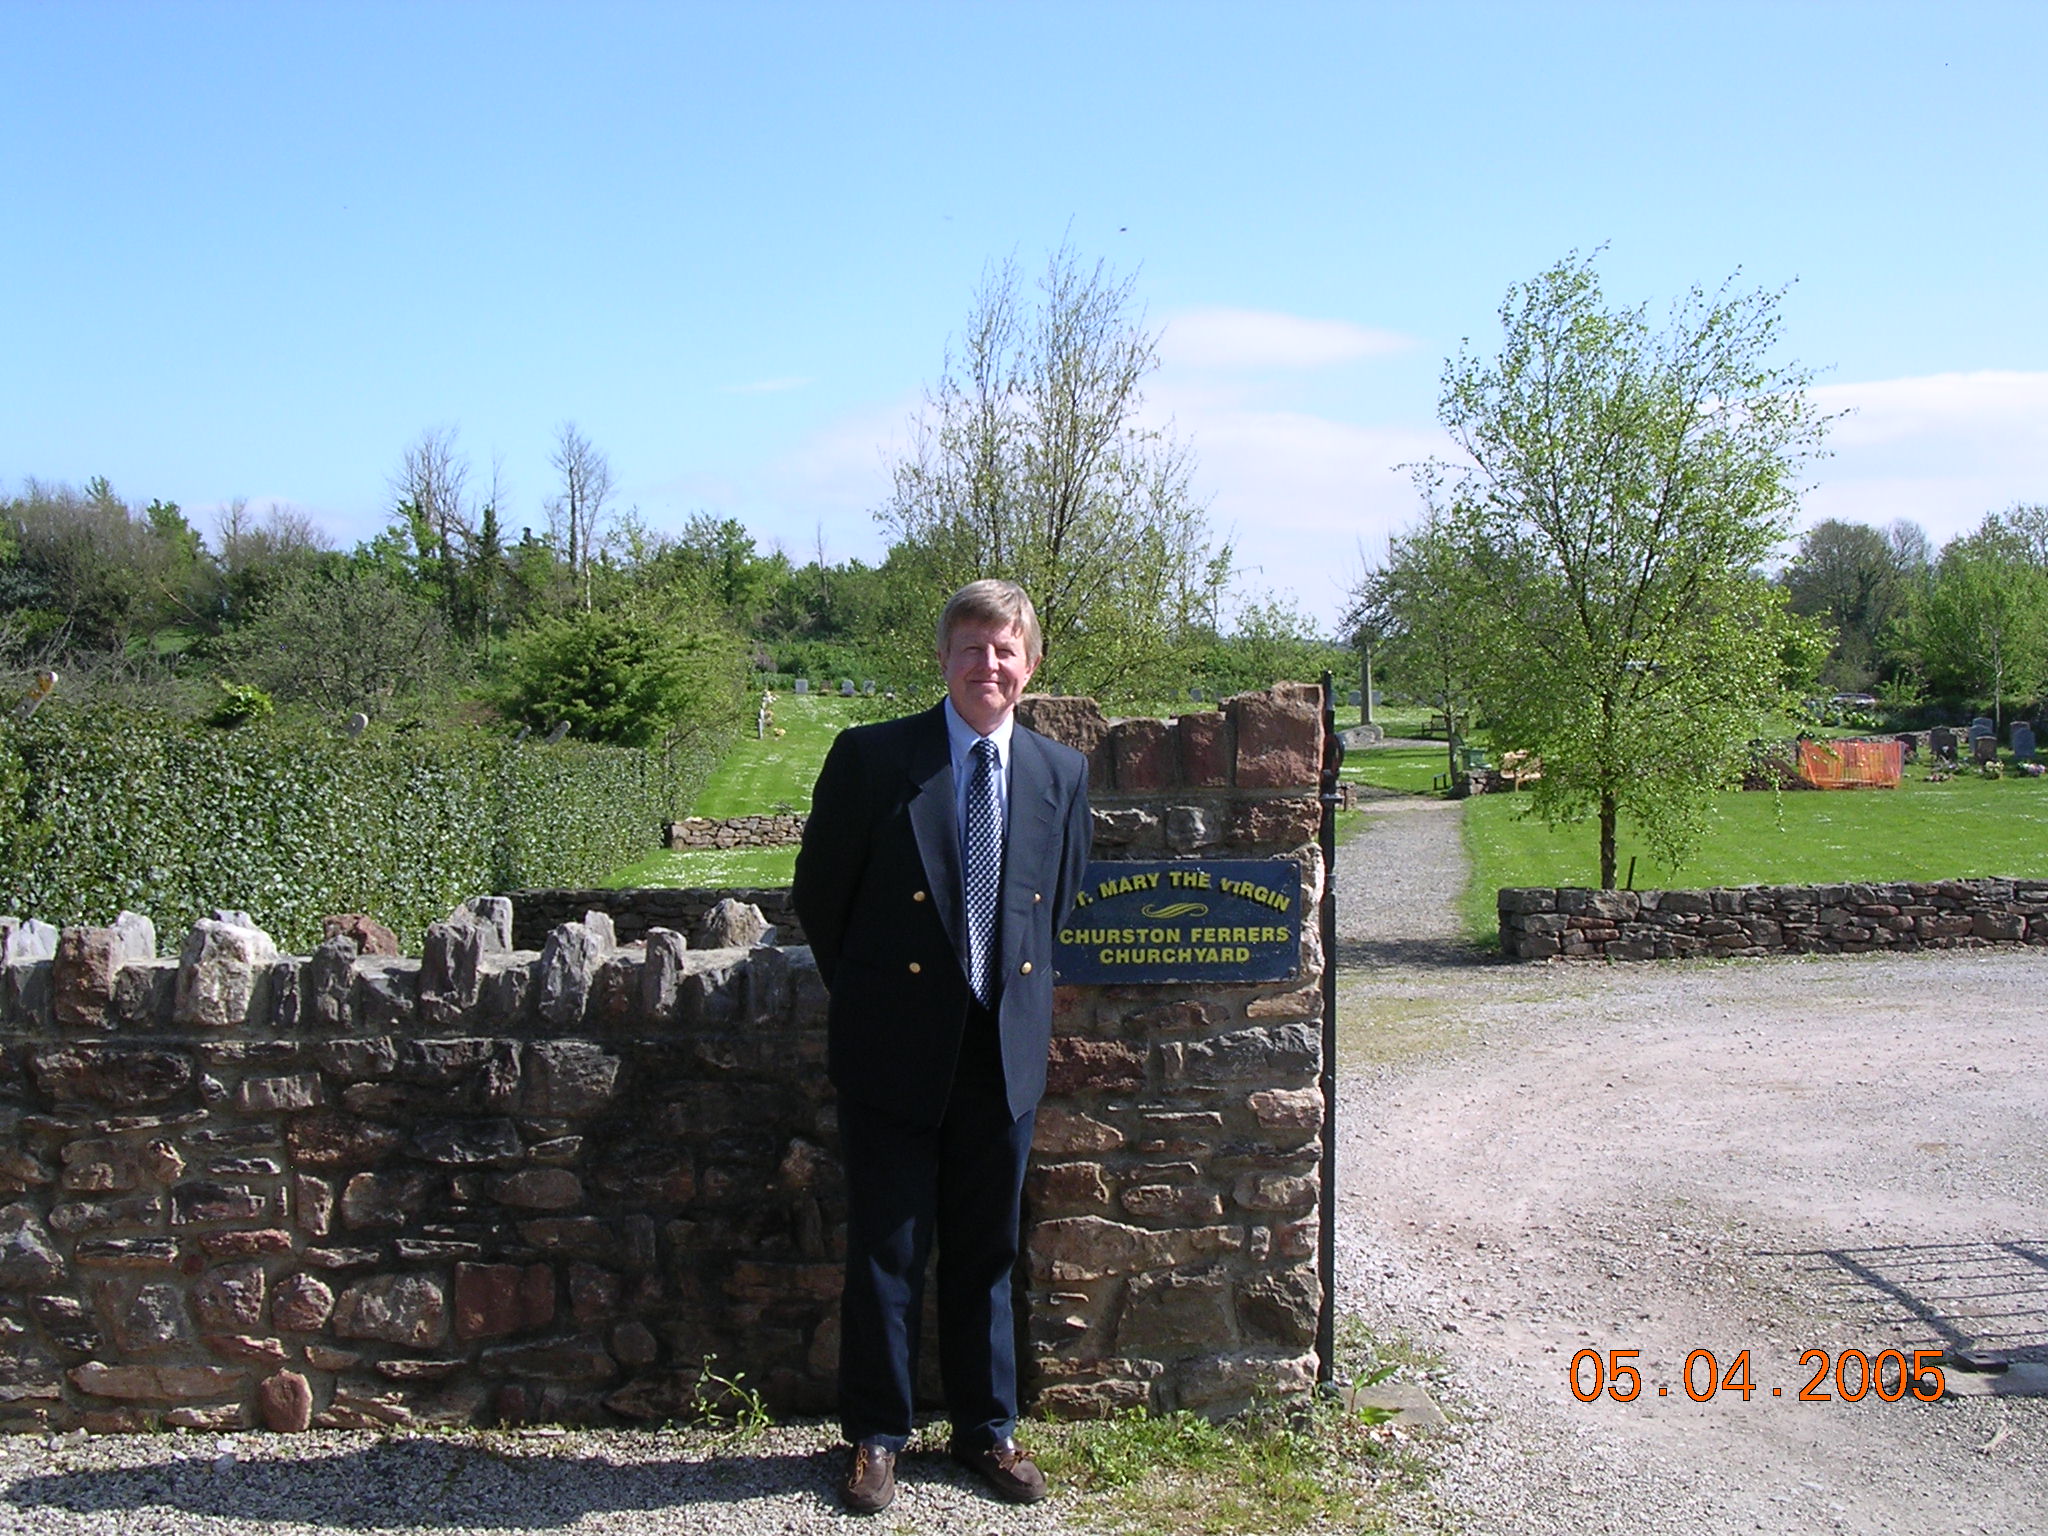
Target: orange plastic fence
<point>1851,764</point>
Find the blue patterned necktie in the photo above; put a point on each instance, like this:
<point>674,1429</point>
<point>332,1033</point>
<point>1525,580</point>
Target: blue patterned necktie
<point>984,880</point>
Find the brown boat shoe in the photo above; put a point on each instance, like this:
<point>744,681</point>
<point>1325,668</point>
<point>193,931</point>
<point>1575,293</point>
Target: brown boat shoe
<point>1008,1470</point>
<point>870,1484</point>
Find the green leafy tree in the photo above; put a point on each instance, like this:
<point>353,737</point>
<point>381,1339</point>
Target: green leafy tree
<point>1622,487</point>
<point>1417,609</point>
<point>1981,630</point>
<point>625,678</point>
<point>340,637</point>
<point>1270,640</point>
<point>1858,580</point>
<point>1030,462</point>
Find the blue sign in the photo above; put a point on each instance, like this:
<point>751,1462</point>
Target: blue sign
<point>1187,920</point>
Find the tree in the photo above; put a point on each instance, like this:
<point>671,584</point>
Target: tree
<point>1981,631</point>
<point>628,678</point>
<point>1030,461</point>
<point>1416,611</point>
<point>1622,488</point>
<point>1857,578</point>
<point>340,637</point>
<point>576,513</point>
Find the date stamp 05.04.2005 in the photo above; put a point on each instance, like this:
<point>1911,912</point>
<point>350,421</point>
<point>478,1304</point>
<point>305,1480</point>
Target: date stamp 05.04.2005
<point>1845,1376</point>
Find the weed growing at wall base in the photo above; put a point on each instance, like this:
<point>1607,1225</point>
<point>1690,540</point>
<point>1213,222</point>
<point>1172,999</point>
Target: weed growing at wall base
<point>1272,1469</point>
<point>1277,1467</point>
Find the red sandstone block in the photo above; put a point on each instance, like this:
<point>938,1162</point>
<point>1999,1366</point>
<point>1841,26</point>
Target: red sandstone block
<point>488,1300</point>
<point>1279,740</point>
<point>1093,1066</point>
<point>1146,755</point>
<point>286,1402</point>
<point>1205,750</point>
<point>1076,722</point>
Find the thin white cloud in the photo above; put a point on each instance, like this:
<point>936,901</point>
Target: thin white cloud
<point>1942,449</point>
<point>766,386</point>
<point>1260,339</point>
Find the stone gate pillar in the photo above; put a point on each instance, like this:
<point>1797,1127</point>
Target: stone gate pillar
<point>1171,1208</point>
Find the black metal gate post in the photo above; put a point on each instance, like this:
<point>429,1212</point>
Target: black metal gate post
<point>1326,1237</point>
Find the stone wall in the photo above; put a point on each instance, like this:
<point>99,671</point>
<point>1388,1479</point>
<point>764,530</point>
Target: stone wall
<point>535,914</point>
<point>1540,923</point>
<point>775,831</point>
<point>500,1183</point>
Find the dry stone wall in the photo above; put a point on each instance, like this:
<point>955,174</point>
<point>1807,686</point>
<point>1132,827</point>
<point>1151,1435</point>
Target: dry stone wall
<point>503,1182</point>
<point>777,831</point>
<point>1538,923</point>
<point>633,912</point>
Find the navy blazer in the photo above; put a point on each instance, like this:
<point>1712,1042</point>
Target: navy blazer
<point>878,890</point>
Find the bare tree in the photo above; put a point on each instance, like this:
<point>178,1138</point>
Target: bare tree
<point>576,512</point>
<point>432,484</point>
<point>1031,460</point>
<point>430,498</point>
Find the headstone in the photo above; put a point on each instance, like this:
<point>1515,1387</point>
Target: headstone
<point>555,736</point>
<point>1941,742</point>
<point>2023,741</point>
<point>846,687</point>
<point>1984,748</point>
<point>1983,725</point>
<point>1354,698</point>
<point>868,688</point>
<point>803,685</point>
<point>1195,695</point>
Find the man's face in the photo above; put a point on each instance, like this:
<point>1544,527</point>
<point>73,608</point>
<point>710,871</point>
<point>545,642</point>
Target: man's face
<point>986,668</point>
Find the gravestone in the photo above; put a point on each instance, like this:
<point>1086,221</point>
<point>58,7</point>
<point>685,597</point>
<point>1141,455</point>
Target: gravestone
<point>1983,725</point>
<point>868,688</point>
<point>1984,748</point>
<point>1354,698</point>
<point>846,687</point>
<point>1195,695</point>
<point>2023,741</point>
<point>802,685</point>
<point>1941,742</point>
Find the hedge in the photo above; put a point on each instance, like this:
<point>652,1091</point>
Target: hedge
<point>104,811</point>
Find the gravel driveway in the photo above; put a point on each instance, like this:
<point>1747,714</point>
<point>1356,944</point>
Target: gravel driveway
<point>1840,1153</point>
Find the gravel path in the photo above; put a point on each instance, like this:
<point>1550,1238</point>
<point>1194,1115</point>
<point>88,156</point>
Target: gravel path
<point>495,1482</point>
<point>1828,1153</point>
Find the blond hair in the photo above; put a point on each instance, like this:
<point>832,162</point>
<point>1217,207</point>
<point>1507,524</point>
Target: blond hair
<point>998,604</point>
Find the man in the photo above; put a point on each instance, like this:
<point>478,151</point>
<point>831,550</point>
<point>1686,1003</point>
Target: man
<point>942,852</point>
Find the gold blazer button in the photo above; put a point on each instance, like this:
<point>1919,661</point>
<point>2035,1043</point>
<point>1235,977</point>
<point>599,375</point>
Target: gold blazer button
<point>917,895</point>
<point>1036,898</point>
<point>1025,968</point>
<point>915,968</point>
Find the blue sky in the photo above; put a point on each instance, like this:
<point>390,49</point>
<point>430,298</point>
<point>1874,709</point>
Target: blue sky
<point>254,250</point>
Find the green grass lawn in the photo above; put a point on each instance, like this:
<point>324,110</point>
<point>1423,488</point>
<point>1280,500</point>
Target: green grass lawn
<point>776,774</point>
<point>1409,770</point>
<point>707,868</point>
<point>757,777</point>
<point>1920,831</point>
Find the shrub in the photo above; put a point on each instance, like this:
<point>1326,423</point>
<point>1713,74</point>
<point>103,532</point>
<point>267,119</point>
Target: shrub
<point>105,811</point>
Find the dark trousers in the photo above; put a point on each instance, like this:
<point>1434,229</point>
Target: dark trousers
<point>959,1182</point>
